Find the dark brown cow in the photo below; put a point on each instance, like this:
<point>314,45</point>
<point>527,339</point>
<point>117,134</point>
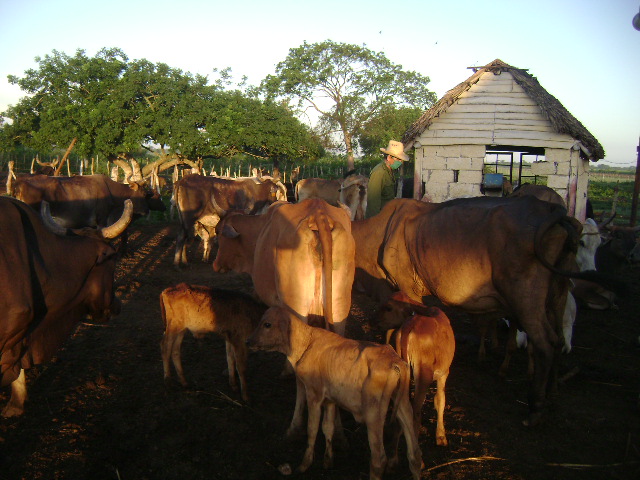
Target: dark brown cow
<point>49,284</point>
<point>485,255</point>
<point>541,192</point>
<point>86,201</point>
<point>201,201</point>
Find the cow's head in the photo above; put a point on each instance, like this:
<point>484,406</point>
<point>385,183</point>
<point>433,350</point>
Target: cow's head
<point>394,312</point>
<point>273,334</point>
<point>138,195</point>
<point>589,242</point>
<point>235,245</point>
<point>98,292</point>
<point>620,241</point>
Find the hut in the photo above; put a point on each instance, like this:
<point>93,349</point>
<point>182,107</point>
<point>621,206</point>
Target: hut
<point>500,112</point>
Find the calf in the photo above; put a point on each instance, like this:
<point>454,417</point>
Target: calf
<point>426,342</point>
<point>361,377</point>
<point>202,310</point>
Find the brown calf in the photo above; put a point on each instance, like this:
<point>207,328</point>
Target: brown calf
<point>361,377</point>
<point>426,342</point>
<point>202,310</point>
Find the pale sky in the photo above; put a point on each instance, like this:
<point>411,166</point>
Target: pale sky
<point>586,53</point>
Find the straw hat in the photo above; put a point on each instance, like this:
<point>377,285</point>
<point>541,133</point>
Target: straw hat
<point>396,149</point>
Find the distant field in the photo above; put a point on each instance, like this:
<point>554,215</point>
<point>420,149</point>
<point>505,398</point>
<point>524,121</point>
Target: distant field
<point>602,192</point>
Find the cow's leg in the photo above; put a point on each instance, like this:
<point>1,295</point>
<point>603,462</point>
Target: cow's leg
<point>374,420</point>
<point>543,338</point>
<point>175,356</point>
<point>414,454</point>
<point>328,426</point>
<point>314,405</point>
<point>180,256</point>
<point>296,421</point>
<point>166,345</point>
<point>231,364</point>
<point>15,406</point>
<point>439,402</point>
<point>512,346</point>
<point>422,380</point>
<point>241,354</point>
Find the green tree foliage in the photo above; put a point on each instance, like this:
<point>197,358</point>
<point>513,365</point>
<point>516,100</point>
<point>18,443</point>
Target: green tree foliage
<point>389,124</point>
<point>348,85</point>
<point>113,105</point>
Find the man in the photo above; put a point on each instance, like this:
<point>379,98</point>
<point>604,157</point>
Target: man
<point>382,181</point>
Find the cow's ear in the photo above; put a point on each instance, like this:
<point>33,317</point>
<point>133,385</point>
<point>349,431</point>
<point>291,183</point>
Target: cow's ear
<point>229,232</point>
<point>134,186</point>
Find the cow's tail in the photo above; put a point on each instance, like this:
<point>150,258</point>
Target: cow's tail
<point>559,217</point>
<point>324,225</point>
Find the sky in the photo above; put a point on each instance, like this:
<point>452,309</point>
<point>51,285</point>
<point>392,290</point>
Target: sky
<point>586,53</point>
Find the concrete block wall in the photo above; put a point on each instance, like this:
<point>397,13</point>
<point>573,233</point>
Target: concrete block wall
<point>454,171</point>
<point>451,171</point>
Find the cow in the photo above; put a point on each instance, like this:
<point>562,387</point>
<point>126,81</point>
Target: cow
<point>201,201</point>
<point>327,190</point>
<point>485,255</point>
<point>86,201</point>
<point>201,310</point>
<point>351,192</point>
<point>50,282</point>
<point>542,192</point>
<point>423,337</point>
<point>615,251</point>
<point>363,378</point>
<point>299,256</point>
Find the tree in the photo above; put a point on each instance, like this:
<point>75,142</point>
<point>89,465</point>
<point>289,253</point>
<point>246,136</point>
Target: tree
<point>114,106</point>
<point>65,95</point>
<point>389,124</point>
<point>348,85</point>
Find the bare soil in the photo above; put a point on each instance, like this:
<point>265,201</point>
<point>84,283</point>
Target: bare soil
<point>100,410</point>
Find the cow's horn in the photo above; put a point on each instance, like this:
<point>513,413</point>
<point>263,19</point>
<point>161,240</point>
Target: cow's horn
<point>219,210</point>
<point>112,231</point>
<point>49,222</point>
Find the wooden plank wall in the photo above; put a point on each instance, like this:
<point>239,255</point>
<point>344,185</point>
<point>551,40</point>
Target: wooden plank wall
<point>494,111</point>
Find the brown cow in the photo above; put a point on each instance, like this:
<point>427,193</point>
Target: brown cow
<point>351,192</point>
<point>363,378</point>
<point>201,201</point>
<point>86,201</point>
<point>201,310</point>
<point>327,190</point>
<point>423,337</point>
<point>485,255</point>
<point>49,283</point>
<point>300,256</point>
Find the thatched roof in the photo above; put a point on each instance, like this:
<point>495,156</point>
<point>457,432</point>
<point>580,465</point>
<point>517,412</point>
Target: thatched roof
<point>560,118</point>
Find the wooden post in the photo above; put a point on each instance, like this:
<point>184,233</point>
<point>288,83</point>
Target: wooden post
<point>66,156</point>
<point>636,190</point>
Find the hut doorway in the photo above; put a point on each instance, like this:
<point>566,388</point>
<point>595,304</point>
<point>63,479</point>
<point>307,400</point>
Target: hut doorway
<point>510,164</point>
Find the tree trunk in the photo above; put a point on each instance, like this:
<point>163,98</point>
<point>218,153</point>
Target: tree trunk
<point>351,164</point>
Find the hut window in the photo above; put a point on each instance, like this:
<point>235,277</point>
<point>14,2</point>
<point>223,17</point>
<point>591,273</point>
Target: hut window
<point>456,174</point>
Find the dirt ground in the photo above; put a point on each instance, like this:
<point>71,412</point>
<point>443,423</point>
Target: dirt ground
<point>100,409</point>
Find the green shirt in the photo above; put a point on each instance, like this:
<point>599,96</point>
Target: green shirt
<point>381,189</point>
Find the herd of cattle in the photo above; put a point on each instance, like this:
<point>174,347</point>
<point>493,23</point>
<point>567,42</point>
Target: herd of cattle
<point>305,257</point>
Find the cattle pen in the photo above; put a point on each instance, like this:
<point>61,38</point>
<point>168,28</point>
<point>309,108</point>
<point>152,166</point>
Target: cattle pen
<point>101,410</point>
